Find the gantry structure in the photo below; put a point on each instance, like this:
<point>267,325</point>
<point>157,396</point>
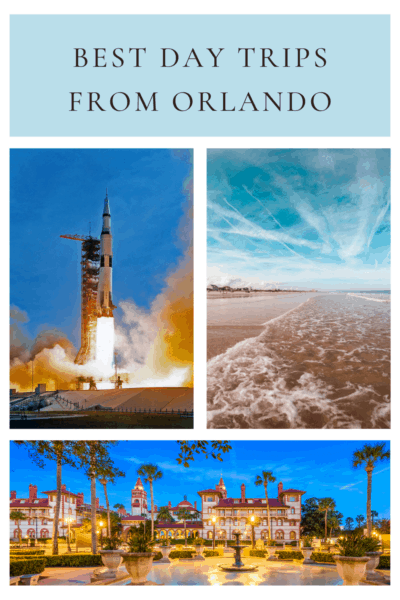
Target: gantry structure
<point>90,267</point>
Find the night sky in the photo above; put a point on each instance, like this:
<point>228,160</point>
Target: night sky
<point>320,468</point>
<point>56,192</point>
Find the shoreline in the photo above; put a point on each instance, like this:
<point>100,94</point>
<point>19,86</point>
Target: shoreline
<point>232,322</point>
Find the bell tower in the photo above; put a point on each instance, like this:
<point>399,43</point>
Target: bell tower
<point>139,499</point>
<point>221,488</point>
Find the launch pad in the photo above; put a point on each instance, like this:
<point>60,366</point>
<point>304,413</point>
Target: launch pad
<point>129,408</point>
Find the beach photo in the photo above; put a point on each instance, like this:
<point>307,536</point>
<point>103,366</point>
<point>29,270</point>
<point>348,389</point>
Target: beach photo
<point>298,289</point>
<point>101,288</point>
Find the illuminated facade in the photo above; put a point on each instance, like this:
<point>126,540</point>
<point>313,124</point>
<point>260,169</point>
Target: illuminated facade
<point>233,514</point>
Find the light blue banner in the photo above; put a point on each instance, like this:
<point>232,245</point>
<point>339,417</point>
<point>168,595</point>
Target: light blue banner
<point>337,66</point>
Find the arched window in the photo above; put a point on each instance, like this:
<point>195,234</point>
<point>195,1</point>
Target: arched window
<point>31,533</point>
<point>209,535</point>
<point>279,523</point>
<point>44,533</point>
<point>222,535</point>
<point>292,511</point>
<point>264,534</point>
<point>279,535</point>
<point>292,535</point>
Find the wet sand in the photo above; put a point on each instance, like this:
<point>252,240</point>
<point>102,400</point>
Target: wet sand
<point>324,364</point>
<point>234,317</point>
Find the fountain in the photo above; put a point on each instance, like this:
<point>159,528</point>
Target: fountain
<point>238,565</point>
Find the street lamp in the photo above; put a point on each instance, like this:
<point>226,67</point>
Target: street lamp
<point>252,520</point>
<point>214,520</point>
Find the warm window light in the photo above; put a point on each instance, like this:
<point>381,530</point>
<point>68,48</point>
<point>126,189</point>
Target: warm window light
<point>214,519</point>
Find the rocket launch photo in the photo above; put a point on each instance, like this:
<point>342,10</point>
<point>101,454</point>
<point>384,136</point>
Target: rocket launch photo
<point>82,341</point>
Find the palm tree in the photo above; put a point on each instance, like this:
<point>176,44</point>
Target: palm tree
<point>264,480</point>
<point>63,453</point>
<point>360,520</point>
<point>18,516</point>
<point>118,506</point>
<point>94,458</point>
<point>150,473</point>
<point>374,515</point>
<point>184,515</point>
<point>367,457</point>
<point>333,523</point>
<point>349,523</point>
<point>164,515</point>
<point>325,505</point>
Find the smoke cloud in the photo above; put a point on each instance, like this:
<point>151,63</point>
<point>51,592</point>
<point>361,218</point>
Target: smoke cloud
<point>156,346</point>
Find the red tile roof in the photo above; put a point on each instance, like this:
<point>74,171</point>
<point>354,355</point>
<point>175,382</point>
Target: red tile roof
<point>132,518</point>
<point>257,502</point>
<point>20,502</point>
<point>209,492</point>
<point>62,492</point>
<point>183,504</point>
<point>290,491</point>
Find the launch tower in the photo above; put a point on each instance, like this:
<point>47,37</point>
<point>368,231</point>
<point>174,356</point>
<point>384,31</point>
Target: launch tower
<point>90,268</point>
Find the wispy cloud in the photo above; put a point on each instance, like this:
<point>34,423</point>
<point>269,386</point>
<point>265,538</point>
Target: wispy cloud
<point>327,210</point>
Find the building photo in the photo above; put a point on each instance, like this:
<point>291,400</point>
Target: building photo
<point>201,512</point>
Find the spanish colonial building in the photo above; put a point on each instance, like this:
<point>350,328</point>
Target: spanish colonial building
<point>219,514</point>
<point>232,514</point>
<point>229,514</point>
<point>39,512</point>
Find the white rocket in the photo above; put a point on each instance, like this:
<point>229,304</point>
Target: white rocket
<point>105,306</point>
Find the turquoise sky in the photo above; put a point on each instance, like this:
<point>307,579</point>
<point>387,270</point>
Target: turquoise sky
<point>299,218</point>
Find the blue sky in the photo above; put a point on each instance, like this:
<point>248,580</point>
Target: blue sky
<point>299,218</point>
<point>55,192</point>
<point>320,468</point>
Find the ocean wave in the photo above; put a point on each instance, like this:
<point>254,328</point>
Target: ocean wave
<point>374,298</point>
<point>321,365</point>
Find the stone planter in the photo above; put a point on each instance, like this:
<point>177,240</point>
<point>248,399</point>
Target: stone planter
<point>271,552</point>
<point>138,565</point>
<point>351,569</point>
<point>112,559</point>
<point>373,562</point>
<point>165,550</point>
<point>307,551</point>
<point>199,551</point>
